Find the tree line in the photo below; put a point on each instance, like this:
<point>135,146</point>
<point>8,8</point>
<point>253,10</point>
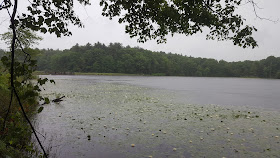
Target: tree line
<point>116,58</point>
<point>142,19</point>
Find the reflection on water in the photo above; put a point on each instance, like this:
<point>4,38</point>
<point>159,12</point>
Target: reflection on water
<point>102,116</point>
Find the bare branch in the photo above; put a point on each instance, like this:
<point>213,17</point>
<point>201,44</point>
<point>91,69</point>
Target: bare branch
<point>255,7</point>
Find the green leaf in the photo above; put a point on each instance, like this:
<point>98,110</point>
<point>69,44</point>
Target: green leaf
<point>43,30</point>
<point>47,100</point>
<point>17,84</point>
<point>40,109</point>
<point>4,59</point>
<point>42,81</point>
<point>52,81</point>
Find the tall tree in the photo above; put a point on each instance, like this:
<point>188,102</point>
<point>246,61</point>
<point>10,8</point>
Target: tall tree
<point>26,38</point>
<point>143,18</point>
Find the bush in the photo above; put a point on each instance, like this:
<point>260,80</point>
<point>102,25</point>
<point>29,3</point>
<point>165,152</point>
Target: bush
<point>15,137</point>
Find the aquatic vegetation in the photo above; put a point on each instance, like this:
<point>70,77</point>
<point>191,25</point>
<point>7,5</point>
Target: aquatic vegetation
<point>131,121</point>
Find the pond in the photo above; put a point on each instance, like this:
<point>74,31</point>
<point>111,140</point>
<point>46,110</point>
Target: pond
<point>133,116</point>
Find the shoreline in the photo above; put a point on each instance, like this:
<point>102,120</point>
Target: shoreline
<point>126,74</point>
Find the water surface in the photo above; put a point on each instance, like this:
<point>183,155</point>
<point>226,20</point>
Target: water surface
<point>102,116</point>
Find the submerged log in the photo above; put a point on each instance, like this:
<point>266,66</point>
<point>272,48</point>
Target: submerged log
<point>57,100</point>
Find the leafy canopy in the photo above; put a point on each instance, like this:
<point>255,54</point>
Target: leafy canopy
<point>155,19</point>
<point>148,19</point>
<point>26,38</point>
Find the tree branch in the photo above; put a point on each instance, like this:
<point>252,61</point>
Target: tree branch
<point>255,6</point>
<point>13,27</point>
<point>5,4</point>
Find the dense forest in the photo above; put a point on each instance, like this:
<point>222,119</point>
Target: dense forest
<point>115,58</point>
<point>1,52</point>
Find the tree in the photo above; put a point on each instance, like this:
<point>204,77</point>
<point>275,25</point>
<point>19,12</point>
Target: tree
<point>2,52</point>
<point>140,61</point>
<point>21,87</point>
<point>156,19</point>
<point>26,38</point>
<point>145,19</point>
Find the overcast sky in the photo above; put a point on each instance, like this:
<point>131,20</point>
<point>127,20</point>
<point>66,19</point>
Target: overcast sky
<point>99,28</point>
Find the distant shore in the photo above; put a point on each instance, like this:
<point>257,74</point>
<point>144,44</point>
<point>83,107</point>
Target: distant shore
<point>95,73</point>
<point>119,74</point>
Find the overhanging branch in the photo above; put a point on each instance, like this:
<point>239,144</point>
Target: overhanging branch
<point>13,78</point>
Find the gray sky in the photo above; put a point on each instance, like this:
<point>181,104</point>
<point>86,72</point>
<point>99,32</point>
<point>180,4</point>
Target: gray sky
<point>99,28</point>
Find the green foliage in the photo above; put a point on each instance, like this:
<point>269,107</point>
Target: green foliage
<point>50,16</point>
<point>147,19</point>
<point>115,58</point>
<point>25,36</point>
<point>4,82</point>
<point>14,139</point>
<point>2,52</point>
<point>15,132</point>
<point>277,75</point>
<point>40,109</point>
<point>156,19</point>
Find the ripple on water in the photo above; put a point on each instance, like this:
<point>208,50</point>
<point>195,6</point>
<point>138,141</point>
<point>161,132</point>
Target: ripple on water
<point>119,115</point>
